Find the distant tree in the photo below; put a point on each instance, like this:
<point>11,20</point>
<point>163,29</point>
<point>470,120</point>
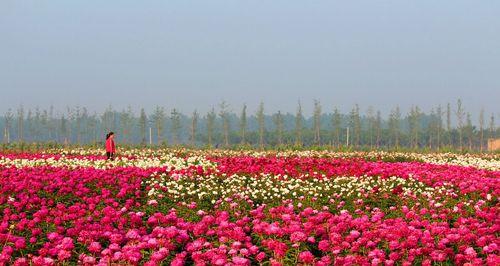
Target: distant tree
<point>175,128</point>
<point>107,119</point>
<point>20,123</point>
<point>448,123</point>
<point>260,121</point>
<point>44,120</point>
<point>460,113</point>
<point>492,126</point>
<point>336,125</point>
<point>243,124</point>
<point>85,120</point>
<point>317,122</point>
<point>126,124</point>
<point>158,119</point>
<point>481,130</point>
<point>224,115</point>
<point>9,118</point>
<point>378,128</point>
<point>279,127</point>
<point>29,125</point>
<point>37,123</point>
<point>63,129</point>
<point>371,124</point>
<point>78,123</point>
<point>211,126</point>
<point>432,128</point>
<point>394,125</point>
<point>298,126</point>
<point>469,130</point>
<point>70,119</point>
<point>439,114</point>
<point>52,124</point>
<point>143,122</point>
<point>93,123</point>
<point>194,127</point>
<point>414,126</point>
<point>355,124</point>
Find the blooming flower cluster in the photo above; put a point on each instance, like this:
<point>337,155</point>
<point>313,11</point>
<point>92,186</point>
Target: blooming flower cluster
<point>168,160</point>
<point>184,207</point>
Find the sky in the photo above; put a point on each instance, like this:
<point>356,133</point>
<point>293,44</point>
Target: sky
<point>195,54</point>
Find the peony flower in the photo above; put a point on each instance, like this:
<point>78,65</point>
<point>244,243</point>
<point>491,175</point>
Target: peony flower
<point>306,257</point>
<point>95,247</point>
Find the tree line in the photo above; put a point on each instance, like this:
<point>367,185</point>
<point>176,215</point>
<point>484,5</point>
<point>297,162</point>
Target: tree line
<point>443,127</point>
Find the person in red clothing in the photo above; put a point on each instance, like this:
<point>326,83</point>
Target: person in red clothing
<point>110,146</point>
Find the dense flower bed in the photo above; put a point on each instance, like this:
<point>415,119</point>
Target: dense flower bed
<point>182,207</point>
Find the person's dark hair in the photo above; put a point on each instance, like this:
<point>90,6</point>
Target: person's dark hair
<point>109,134</point>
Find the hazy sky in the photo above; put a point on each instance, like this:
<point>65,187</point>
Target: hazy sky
<point>193,54</point>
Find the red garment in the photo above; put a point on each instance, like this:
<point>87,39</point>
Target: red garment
<point>110,145</point>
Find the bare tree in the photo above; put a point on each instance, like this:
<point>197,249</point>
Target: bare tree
<point>394,125</point>
<point>30,125</point>
<point>492,126</point>
<point>371,124</point>
<point>211,126</point>
<point>194,127</point>
<point>126,123</point>
<point>159,121</point>
<point>481,130</point>
<point>224,115</point>
<point>448,123</point>
<point>355,124</point>
<point>175,120</point>
<point>243,124</point>
<point>260,120</point>
<point>432,128</point>
<point>63,129</point>
<point>460,113</point>
<point>78,124</point>
<point>317,122</point>
<point>298,125</point>
<point>469,130</point>
<point>51,126</point>
<point>143,122</point>
<point>20,123</point>
<point>279,127</point>
<point>93,122</point>
<point>108,119</point>
<point>414,125</point>
<point>8,117</point>
<point>439,113</point>
<point>336,124</point>
<point>378,128</point>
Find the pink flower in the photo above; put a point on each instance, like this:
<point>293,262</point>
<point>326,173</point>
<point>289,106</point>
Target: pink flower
<point>298,236</point>
<point>21,262</point>
<point>95,247</point>
<point>241,261</point>
<point>67,243</point>
<point>470,253</point>
<point>306,257</point>
<point>89,260</point>
<point>355,234</point>
<point>132,234</point>
<point>63,255</point>
<point>52,236</point>
<point>20,243</point>
<point>260,257</point>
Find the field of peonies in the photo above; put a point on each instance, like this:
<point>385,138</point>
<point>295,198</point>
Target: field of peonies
<point>185,207</point>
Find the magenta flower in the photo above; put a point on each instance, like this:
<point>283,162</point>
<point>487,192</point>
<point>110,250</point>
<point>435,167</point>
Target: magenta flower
<point>306,257</point>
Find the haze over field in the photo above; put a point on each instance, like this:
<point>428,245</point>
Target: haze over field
<point>193,54</point>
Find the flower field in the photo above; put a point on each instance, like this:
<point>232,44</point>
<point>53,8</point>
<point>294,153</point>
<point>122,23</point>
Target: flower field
<point>185,207</point>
